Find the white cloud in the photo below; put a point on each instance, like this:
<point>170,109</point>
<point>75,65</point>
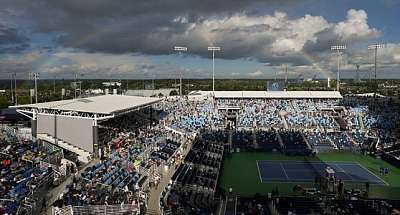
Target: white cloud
<point>257,73</point>
<point>355,27</point>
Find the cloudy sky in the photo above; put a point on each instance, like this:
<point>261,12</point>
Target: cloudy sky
<point>135,38</point>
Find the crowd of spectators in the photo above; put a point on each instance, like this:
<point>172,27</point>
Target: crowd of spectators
<point>188,115</point>
<point>318,204</point>
<point>294,143</point>
<point>20,173</point>
<point>291,126</point>
<point>319,141</point>
<point>126,167</point>
<point>268,141</point>
<point>193,185</point>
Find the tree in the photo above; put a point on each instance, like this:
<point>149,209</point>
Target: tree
<point>4,103</point>
<point>173,93</point>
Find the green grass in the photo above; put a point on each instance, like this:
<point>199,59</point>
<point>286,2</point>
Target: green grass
<point>240,172</point>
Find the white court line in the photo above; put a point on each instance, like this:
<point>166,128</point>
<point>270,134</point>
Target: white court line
<point>339,167</point>
<point>345,172</point>
<point>284,171</point>
<point>372,173</point>
<point>301,161</point>
<point>259,173</point>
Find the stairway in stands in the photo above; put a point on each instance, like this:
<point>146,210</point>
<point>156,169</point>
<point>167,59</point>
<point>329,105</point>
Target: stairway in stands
<point>361,122</point>
<point>285,124</point>
<point>152,212</point>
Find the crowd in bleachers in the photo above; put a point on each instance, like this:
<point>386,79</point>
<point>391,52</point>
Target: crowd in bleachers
<point>392,154</point>
<point>193,185</point>
<point>20,173</point>
<point>268,140</point>
<point>189,115</point>
<point>319,140</point>
<point>301,114</point>
<point>257,205</point>
<point>81,193</point>
<point>294,143</point>
<point>243,139</point>
<point>313,205</point>
<point>341,140</point>
<point>126,167</point>
<point>291,126</point>
<point>325,120</point>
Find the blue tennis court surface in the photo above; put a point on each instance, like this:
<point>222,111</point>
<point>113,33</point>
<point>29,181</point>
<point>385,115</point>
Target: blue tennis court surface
<point>300,171</point>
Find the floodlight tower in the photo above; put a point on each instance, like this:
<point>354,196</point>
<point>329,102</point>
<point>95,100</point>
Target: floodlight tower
<point>75,84</point>
<point>375,47</point>
<point>34,76</point>
<point>15,88</point>
<point>12,87</point>
<point>286,74</point>
<point>338,49</point>
<point>213,49</point>
<point>180,49</point>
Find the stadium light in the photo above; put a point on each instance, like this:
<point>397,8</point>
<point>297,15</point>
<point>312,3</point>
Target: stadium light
<point>34,76</point>
<point>15,88</point>
<point>12,87</point>
<point>338,49</point>
<point>375,47</point>
<point>213,49</point>
<point>180,49</point>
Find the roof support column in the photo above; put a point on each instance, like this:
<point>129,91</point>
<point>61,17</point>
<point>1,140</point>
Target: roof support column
<point>34,124</point>
<point>97,150</point>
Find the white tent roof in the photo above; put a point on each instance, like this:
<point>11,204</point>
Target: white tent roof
<point>279,94</point>
<point>106,104</point>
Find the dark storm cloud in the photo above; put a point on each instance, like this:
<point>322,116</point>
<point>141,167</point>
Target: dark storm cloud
<point>144,26</point>
<point>325,39</point>
<point>155,26</point>
<point>11,40</point>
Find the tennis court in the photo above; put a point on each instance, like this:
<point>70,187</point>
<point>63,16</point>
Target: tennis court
<point>306,171</point>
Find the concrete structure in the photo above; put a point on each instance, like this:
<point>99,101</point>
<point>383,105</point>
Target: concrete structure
<point>73,124</point>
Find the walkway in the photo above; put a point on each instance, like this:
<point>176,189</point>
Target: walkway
<point>153,204</point>
<point>53,194</point>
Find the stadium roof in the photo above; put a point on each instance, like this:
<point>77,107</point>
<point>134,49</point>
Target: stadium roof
<point>106,104</point>
<point>279,94</point>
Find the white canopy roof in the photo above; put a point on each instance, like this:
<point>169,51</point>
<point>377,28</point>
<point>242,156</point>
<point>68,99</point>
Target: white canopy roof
<point>279,94</point>
<point>106,104</point>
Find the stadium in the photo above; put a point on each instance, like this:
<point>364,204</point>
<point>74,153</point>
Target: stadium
<point>190,107</point>
<point>222,152</point>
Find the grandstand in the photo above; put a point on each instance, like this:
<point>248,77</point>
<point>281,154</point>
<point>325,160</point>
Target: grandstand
<point>77,125</point>
<point>219,153</point>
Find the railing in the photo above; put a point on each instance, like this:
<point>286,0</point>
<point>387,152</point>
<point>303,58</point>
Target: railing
<point>97,209</point>
<point>62,211</point>
<point>61,170</point>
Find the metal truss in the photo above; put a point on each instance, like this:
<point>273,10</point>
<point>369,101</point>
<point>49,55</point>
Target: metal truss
<point>27,111</point>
